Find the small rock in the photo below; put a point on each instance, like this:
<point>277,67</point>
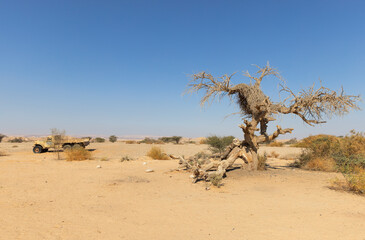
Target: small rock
<point>149,170</point>
<point>144,163</point>
<point>98,166</point>
<point>192,176</point>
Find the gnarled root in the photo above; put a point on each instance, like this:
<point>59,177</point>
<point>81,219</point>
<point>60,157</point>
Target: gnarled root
<point>205,172</point>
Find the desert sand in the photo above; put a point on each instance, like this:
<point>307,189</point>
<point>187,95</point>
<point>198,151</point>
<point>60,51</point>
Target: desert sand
<point>45,198</point>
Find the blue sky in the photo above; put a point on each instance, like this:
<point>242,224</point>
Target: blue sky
<point>120,67</point>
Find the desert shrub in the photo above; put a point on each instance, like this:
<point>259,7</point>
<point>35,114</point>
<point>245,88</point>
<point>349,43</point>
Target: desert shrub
<point>157,153</point>
<point>78,154</point>
<point>262,162</point>
<point>203,141</point>
<point>104,159</point>
<point>150,141</point>
<point>113,138</point>
<point>1,137</point>
<point>218,144</point>
<point>99,140</point>
<point>322,151</point>
<point>130,142</point>
<point>16,140</point>
<point>173,139</point>
<point>274,154</point>
<point>291,141</point>
<point>126,158</point>
<point>321,164</point>
<point>356,182</point>
<point>202,155</point>
<point>3,154</point>
<point>275,144</point>
<point>15,146</point>
<point>216,180</point>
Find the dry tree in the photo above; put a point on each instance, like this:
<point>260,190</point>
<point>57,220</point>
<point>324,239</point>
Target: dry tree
<point>312,105</point>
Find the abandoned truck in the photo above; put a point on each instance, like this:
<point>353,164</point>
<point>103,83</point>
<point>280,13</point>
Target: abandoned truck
<point>57,142</point>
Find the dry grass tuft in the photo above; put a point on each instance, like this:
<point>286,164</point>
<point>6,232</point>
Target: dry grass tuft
<point>354,182</point>
<point>3,154</point>
<point>158,154</point>
<point>274,154</point>
<point>275,144</point>
<point>77,154</point>
<point>321,164</point>
<point>131,142</point>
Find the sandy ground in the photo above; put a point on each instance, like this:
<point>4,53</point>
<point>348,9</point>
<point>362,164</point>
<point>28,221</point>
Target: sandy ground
<point>45,198</point>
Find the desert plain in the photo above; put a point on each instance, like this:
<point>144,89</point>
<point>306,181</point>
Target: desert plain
<point>45,198</point>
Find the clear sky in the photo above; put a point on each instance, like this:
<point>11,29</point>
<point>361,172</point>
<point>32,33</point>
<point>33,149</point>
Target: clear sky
<point>120,67</point>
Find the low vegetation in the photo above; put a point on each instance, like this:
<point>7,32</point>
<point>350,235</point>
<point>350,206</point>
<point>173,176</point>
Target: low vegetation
<point>218,144</point>
<point>99,140</point>
<point>151,141</point>
<point>131,142</point>
<point>78,154</point>
<point>2,136</point>
<point>275,144</point>
<point>273,154</point>
<point>173,139</point>
<point>126,159</point>
<point>113,138</point>
<point>3,154</point>
<point>157,153</point>
<point>342,154</point>
<point>16,140</point>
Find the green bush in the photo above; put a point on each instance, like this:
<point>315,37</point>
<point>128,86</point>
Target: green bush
<point>16,140</point>
<point>150,141</point>
<point>174,139</point>
<point>99,140</point>
<point>218,144</point>
<point>113,138</point>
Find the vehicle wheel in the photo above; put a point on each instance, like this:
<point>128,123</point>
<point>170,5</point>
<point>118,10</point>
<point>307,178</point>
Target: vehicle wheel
<point>37,149</point>
<point>76,146</point>
<point>67,147</point>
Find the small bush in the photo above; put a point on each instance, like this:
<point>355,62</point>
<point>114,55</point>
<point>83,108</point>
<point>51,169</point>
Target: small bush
<point>78,154</point>
<point>321,164</point>
<point>15,146</point>
<point>104,159</point>
<point>16,140</point>
<point>99,140</point>
<point>275,144</point>
<point>291,141</point>
<point>356,182</point>
<point>126,158</point>
<point>173,139</point>
<point>218,144</point>
<point>113,138</point>
<point>261,162</point>
<point>274,154</point>
<point>151,141</point>
<point>3,154</point>
<point>202,155</point>
<point>158,154</point>
<point>216,180</point>
<point>1,137</point>
<point>130,142</point>
<point>203,141</point>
